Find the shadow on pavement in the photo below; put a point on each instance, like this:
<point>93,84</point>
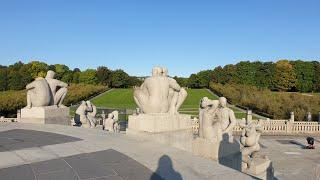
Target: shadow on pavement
<point>165,170</point>
<point>21,138</point>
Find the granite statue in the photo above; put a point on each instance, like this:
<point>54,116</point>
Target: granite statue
<point>209,124</point>
<point>91,114</point>
<point>226,117</point>
<point>159,93</point>
<point>58,89</point>
<point>110,123</point>
<point>46,91</point>
<point>249,140</point>
<point>38,93</point>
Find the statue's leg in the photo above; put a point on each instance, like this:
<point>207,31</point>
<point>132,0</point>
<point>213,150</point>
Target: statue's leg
<point>29,97</point>
<point>173,103</point>
<point>60,95</point>
<point>182,96</point>
<point>140,98</point>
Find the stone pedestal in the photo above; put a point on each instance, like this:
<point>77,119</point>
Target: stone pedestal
<point>205,148</point>
<point>159,122</point>
<point>45,115</point>
<point>259,168</point>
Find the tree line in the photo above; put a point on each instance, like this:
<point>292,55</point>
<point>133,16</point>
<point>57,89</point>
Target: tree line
<point>283,75</point>
<point>18,75</point>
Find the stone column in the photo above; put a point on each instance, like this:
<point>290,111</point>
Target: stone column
<point>249,116</point>
<point>18,114</point>
<point>292,116</point>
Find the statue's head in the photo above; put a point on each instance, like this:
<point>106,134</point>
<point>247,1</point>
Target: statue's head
<point>110,115</point>
<point>156,71</point>
<point>215,103</point>
<point>164,72</point>
<point>223,102</point>
<point>50,74</point>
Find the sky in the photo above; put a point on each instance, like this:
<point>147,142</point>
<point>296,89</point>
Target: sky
<point>185,36</point>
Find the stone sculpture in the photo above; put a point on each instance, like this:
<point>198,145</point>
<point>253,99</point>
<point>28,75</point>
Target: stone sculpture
<point>46,92</point>
<point>58,89</point>
<point>85,115</point>
<point>38,93</point>
<point>91,114</point>
<point>110,124</point>
<point>159,93</point>
<point>252,163</point>
<point>210,127</point>
<point>226,117</point>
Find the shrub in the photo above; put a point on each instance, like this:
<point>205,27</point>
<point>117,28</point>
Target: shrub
<point>277,105</point>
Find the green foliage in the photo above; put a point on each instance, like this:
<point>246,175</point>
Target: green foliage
<point>277,105</point>
<point>285,77</point>
<point>305,73</point>
<point>104,75</point>
<point>193,81</point>
<point>88,76</point>
<point>120,79</point>
<point>181,81</point>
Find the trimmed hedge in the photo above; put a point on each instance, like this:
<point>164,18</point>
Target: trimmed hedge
<point>11,101</point>
<point>276,105</point>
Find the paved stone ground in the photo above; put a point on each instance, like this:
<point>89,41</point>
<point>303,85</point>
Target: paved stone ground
<point>290,159</point>
<point>32,151</point>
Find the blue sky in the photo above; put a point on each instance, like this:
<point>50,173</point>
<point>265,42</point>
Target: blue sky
<point>185,36</point>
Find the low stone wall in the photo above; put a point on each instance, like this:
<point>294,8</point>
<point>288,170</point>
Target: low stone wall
<point>285,127</point>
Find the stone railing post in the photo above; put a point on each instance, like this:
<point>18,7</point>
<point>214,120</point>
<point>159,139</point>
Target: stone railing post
<point>18,114</point>
<point>292,116</point>
<point>309,116</point>
<point>249,116</point>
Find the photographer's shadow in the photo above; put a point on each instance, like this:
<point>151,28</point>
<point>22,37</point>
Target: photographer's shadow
<point>165,170</point>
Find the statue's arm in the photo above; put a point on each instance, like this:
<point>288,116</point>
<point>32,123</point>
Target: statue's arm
<point>30,86</point>
<point>61,84</point>
<point>173,84</point>
<point>233,121</point>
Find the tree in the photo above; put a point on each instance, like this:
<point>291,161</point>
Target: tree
<point>265,75</point>
<point>194,81</point>
<point>204,78</point>
<point>88,76</point>
<point>104,75</point>
<point>305,75</point>
<point>285,78</point>
<point>316,86</point>
<point>60,70</point>
<point>181,81</point>
<point>38,69</point>
<point>120,79</point>
<point>217,75</point>
<point>3,78</point>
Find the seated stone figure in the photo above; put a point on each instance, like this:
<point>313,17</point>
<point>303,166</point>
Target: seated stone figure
<point>91,114</point>
<point>38,93</point>
<point>227,118</point>
<point>159,93</point>
<point>58,89</point>
<point>250,143</point>
<point>81,117</point>
<point>110,124</point>
<point>210,127</point>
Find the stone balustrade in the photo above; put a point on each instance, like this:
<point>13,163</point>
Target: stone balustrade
<point>285,127</point>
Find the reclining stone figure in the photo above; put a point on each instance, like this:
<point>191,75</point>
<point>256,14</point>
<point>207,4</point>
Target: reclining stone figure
<point>159,93</point>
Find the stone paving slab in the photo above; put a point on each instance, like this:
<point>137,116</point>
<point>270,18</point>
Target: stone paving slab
<point>104,155</point>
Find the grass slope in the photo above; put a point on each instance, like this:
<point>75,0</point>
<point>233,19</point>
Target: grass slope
<point>123,99</point>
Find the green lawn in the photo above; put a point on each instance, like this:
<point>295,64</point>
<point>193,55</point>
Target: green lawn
<point>123,99</point>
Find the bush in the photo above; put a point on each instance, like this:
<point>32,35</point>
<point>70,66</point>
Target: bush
<point>277,105</point>
<point>11,101</point>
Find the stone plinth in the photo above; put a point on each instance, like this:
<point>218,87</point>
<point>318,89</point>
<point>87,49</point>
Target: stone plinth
<point>159,122</point>
<point>205,148</point>
<point>45,115</point>
<point>259,168</point>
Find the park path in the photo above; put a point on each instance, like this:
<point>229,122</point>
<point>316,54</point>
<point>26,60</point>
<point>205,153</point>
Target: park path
<point>237,108</point>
